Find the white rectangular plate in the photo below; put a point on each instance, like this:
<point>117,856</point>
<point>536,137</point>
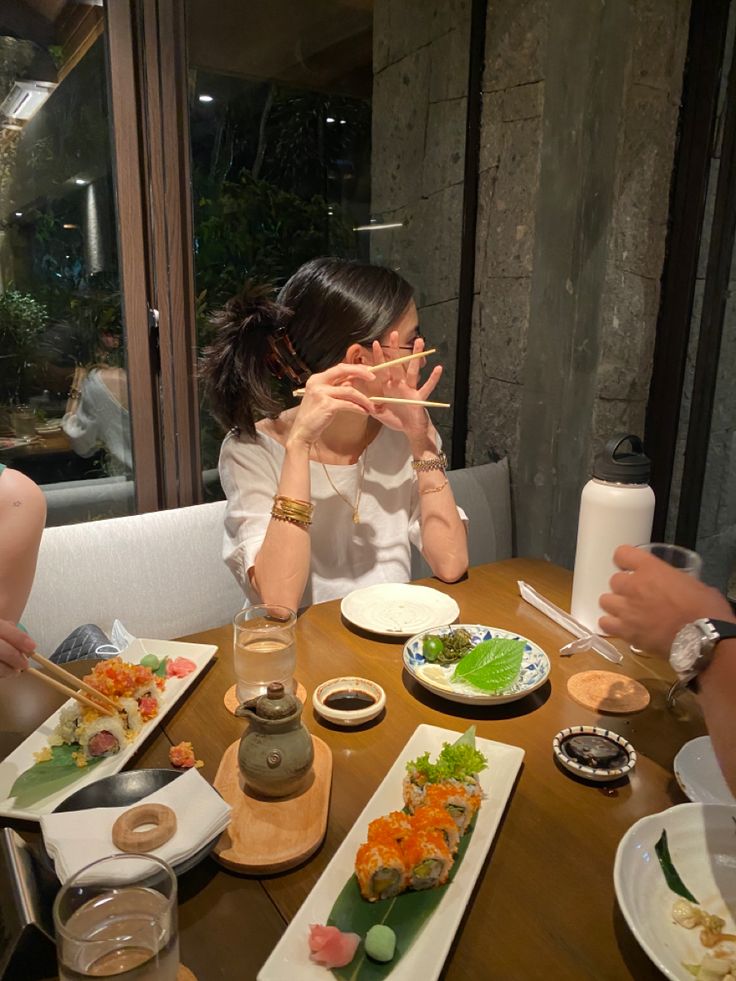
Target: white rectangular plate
<point>424,959</point>
<point>22,758</point>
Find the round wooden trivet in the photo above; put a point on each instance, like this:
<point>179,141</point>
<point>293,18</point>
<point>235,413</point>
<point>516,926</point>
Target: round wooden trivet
<point>184,974</point>
<point>605,691</point>
<point>231,697</point>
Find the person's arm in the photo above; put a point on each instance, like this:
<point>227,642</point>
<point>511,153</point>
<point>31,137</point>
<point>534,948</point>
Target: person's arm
<point>444,538</point>
<point>648,604</point>
<point>22,517</point>
<point>80,421</point>
<point>15,646</point>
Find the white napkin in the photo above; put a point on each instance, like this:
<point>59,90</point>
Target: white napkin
<point>541,603</point>
<point>76,838</point>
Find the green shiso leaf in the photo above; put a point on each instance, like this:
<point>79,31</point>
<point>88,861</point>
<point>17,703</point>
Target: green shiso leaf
<point>406,914</point>
<point>493,665</point>
<point>50,776</point>
<point>670,872</point>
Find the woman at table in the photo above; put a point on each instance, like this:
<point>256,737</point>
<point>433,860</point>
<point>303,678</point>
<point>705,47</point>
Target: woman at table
<point>327,496</point>
<point>22,517</point>
<point>663,610</point>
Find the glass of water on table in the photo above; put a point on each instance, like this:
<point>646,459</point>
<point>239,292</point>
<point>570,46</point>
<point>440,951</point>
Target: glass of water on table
<point>264,647</point>
<point>118,918</point>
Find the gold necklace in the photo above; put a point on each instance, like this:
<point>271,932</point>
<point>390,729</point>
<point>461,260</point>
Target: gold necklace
<point>353,507</point>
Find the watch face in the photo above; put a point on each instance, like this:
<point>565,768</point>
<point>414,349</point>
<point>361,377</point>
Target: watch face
<point>686,648</point>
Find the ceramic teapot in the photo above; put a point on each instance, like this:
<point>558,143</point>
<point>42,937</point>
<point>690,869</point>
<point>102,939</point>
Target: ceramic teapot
<point>276,751</point>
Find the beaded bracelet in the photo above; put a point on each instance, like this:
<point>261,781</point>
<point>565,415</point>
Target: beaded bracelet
<point>292,521</point>
<point>438,462</point>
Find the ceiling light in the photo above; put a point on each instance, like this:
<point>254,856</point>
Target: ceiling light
<point>375,227</point>
<point>18,214</point>
<point>80,181</point>
<point>329,119</point>
<point>206,98</point>
<point>68,226</point>
<point>343,121</point>
<point>26,98</point>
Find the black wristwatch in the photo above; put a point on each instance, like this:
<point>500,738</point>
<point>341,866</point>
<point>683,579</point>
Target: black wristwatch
<point>693,647</point>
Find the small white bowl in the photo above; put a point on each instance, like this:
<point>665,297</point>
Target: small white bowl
<point>349,717</point>
<point>699,775</point>
<point>596,774</point>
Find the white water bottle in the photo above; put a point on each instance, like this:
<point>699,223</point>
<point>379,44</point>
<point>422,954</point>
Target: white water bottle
<point>616,508</point>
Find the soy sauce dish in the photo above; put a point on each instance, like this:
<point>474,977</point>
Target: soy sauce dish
<point>349,701</point>
<point>594,753</point>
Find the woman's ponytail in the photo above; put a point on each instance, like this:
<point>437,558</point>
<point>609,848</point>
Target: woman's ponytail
<point>235,367</point>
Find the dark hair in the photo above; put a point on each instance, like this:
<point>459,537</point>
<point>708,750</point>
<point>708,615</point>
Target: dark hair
<point>327,305</point>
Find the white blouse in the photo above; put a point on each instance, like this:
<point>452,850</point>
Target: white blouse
<point>345,555</point>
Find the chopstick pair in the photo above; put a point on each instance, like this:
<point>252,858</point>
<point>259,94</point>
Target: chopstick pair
<point>389,364</point>
<point>100,703</point>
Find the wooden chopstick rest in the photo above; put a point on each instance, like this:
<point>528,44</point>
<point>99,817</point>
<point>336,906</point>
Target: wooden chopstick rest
<point>127,837</point>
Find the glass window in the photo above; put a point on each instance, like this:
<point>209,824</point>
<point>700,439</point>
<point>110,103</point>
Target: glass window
<point>64,414</point>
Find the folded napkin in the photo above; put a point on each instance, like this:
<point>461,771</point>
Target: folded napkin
<point>77,838</point>
<point>541,603</point>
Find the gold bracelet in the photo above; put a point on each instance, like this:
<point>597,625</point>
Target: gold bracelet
<point>279,516</point>
<point>434,490</point>
<point>74,393</point>
<point>294,508</point>
<point>438,462</point>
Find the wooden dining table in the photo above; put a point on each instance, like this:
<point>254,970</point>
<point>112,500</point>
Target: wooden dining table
<point>544,905</point>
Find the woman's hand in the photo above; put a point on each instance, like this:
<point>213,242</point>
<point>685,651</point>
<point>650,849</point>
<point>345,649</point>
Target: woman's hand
<point>15,646</point>
<point>327,393</point>
<point>401,383</point>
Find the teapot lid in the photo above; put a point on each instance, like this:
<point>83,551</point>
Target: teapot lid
<point>276,703</point>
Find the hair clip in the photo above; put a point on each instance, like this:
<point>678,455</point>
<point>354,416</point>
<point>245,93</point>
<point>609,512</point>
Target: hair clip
<point>283,361</point>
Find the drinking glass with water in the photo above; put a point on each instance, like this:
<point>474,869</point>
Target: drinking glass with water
<point>264,649</point>
<point>118,917</point>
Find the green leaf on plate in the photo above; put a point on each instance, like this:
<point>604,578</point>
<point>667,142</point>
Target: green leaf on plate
<point>493,665</point>
<point>669,871</point>
<point>405,914</point>
<point>50,776</point>
<point>161,669</point>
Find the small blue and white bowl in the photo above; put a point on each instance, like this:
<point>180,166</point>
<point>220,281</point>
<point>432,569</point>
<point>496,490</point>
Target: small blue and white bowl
<point>438,678</point>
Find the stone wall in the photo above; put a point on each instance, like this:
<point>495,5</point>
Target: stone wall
<point>420,64</point>
<point>580,105</point>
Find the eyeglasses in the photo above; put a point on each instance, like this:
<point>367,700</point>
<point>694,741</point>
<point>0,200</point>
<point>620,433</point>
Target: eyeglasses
<point>403,347</point>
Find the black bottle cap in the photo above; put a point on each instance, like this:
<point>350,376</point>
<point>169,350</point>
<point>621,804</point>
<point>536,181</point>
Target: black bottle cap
<point>621,466</point>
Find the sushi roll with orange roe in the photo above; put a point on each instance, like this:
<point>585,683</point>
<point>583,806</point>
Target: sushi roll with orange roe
<point>456,800</point>
<point>437,819</point>
<point>427,858</point>
<point>390,827</point>
<point>380,870</point>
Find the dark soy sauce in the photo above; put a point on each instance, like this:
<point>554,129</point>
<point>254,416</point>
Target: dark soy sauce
<point>349,700</point>
<point>596,751</point>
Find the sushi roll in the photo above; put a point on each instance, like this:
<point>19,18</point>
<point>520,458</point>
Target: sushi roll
<point>131,716</point>
<point>415,787</point>
<point>69,720</point>
<point>390,827</point>
<point>100,735</point>
<point>148,698</point>
<point>438,820</point>
<point>380,870</point>
<point>456,800</point>
<point>427,858</point>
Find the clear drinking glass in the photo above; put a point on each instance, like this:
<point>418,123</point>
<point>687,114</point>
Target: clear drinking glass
<point>118,917</point>
<point>264,649</point>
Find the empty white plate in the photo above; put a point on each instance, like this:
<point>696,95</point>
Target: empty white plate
<point>400,609</point>
<point>699,775</point>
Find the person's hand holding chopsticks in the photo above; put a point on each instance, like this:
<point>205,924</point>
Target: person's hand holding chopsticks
<point>402,382</point>
<point>15,646</point>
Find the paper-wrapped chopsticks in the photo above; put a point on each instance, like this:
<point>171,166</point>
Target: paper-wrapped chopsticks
<point>564,620</point>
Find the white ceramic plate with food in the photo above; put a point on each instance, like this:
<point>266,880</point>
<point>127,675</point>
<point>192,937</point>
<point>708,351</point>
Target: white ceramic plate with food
<point>22,758</point>
<point>699,775</point>
<point>438,678</point>
<point>424,959</point>
<point>400,609</point>
<point>702,845</point>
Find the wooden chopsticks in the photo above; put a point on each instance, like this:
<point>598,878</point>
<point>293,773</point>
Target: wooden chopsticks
<point>390,364</point>
<point>379,399</point>
<point>100,703</point>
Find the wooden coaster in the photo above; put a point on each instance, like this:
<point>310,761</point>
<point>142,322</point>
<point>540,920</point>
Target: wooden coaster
<point>606,691</point>
<point>232,701</point>
<point>272,835</point>
<point>184,974</point>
